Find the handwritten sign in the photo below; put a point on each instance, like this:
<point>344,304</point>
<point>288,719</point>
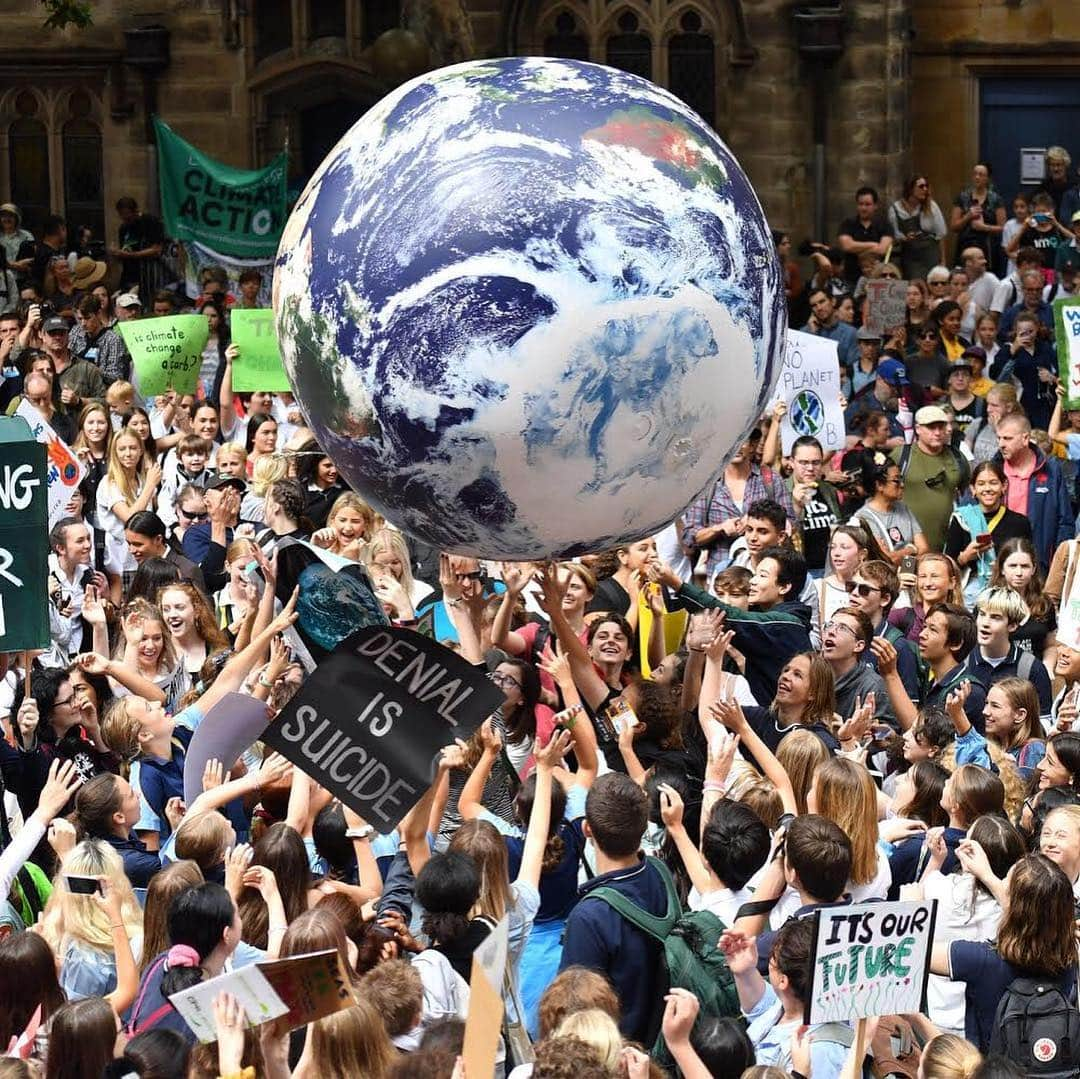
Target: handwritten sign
<point>886,305</point>
<point>370,722</point>
<point>1068,632</point>
<point>1067,334</point>
<point>24,547</point>
<point>167,352</point>
<point>63,469</point>
<point>870,959</point>
<point>258,367</point>
<point>809,384</point>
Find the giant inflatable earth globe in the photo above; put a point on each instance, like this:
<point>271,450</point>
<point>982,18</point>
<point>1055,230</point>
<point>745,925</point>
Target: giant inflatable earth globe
<point>528,306</point>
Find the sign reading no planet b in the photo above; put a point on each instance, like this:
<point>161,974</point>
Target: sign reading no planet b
<point>870,959</point>
<point>238,212</point>
<point>166,352</point>
<point>810,386</point>
<point>1067,335</point>
<point>369,723</point>
<point>258,367</point>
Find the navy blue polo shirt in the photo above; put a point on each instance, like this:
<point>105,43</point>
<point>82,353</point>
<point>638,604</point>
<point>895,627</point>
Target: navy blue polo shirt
<point>140,864</point>
<point>162,779</point>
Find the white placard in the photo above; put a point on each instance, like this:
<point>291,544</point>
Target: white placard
<point>63,469</point>
<point>809,384</point>
<point>251,989</point>
<point>870,959</point>
<point>1032,164</point>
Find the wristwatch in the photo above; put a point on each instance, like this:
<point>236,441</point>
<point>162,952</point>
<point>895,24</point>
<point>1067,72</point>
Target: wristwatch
<point>360,833</point>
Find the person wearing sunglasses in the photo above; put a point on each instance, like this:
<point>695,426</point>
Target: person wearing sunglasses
<point>927,366</point>
<point>872,592</point>
<point>884,513</point>
<point>919,228</point>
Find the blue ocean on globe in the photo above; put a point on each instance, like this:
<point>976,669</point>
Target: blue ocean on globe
<point>528,306</point>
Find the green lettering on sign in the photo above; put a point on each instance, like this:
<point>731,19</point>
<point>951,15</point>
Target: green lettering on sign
<point>258,367</point>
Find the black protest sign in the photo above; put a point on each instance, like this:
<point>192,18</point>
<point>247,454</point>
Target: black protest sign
<point>24,543</point>
<point>369,723</point>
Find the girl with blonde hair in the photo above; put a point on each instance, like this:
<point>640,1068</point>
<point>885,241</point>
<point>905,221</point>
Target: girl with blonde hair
<point>78,928</point>
<point>1012,721</point>
<point>267,470</point>
<point>844,793</point>
<point>349,1042</point>
<point>949,1057</point>
<point>597,1029</point>
<point>146,646</point>
<point>130,485</point>
<point>388,553</point>
<point>348,526</point>
<point>801,753</point>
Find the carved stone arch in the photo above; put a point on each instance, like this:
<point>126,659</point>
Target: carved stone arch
<point>608,22</point>
<point>306,106</point>
<point>712,22</point>
<point>520,17</point>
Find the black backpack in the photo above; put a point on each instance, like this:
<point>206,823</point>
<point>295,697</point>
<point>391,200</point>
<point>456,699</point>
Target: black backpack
<point>1037,1028</point>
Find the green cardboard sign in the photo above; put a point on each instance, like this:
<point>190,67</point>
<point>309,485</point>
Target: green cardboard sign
<point>258,367</point>
<point>24,544</point>
<point>238,212</point>
<point>166,352</point>
<point>1067,334</point>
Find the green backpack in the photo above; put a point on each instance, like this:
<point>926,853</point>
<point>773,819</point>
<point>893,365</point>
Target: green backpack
<point>691,954</point>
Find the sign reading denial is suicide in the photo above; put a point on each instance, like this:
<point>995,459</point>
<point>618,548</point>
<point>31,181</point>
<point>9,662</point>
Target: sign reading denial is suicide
<point>368,724</point>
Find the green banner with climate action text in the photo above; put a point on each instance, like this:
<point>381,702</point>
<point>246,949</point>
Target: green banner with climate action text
<point>239,212</point>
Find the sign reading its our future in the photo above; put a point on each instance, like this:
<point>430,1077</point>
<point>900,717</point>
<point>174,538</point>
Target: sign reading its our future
<point>870,959</point>
<point>238,212</point>
<point>370,722</point>
<point>24,545</point>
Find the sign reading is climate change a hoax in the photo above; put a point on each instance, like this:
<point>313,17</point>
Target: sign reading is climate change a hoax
<point>369,723</point>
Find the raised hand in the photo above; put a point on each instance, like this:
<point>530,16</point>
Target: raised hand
<point>954,704</point>
<point>704,627</point>
<point>558,667</point>
<point>213,774</point>
<point>62,782</point>
<point>885,654</point>
<point>551,755</point>
<point>62,836</point>
<point>729,713</point>
<point>237,860</point>
<point>93,608</point>
<point>517,575</point>
<point>490,738</point>
<point>92,663</point>
<point>680,1010</point>
<point>454,756</point>
<point>671,806</point>
<point>26,719</point>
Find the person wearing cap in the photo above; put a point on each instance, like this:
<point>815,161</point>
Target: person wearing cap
<point>886,394</point>
<point>1036,486</point>
<point>933,473</point>
<point>13,236</point>
<point>204,543</point>
<point>865,371</point>
<point>100,344</point>
<point>966,406</point>
<point>1066,266</point>
<point>80,380</point>
<point>128,307</point>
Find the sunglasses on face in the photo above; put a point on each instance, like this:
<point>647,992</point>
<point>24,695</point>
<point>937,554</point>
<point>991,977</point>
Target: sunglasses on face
<point>860,588</point>
<point>204,516</point>
<point>473,575</point>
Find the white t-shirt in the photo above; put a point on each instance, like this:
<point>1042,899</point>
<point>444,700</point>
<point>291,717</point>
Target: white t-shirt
<point>118,559</point>
<point>724,903</point>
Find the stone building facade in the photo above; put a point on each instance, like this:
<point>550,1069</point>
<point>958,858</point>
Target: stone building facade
<point>243,78</point>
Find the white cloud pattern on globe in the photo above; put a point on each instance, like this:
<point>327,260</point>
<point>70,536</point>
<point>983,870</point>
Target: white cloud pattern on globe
<point>528,307</point>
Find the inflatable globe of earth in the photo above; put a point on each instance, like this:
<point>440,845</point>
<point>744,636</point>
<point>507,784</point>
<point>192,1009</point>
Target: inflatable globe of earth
<point>528,306</point>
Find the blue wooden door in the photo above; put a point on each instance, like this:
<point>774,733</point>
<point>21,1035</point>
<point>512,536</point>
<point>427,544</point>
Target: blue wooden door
<point>1022,111</point>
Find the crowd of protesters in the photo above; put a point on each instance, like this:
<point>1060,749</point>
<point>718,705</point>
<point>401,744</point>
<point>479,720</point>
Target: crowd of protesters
<point>835,679</point>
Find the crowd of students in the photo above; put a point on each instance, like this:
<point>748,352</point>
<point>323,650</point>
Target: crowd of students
<point>835,679</point>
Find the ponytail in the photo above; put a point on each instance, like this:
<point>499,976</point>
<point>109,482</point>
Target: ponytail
<point>199,917</point>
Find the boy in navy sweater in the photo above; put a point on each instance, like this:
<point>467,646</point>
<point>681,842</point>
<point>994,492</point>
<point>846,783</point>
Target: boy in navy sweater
<point>597,936</point>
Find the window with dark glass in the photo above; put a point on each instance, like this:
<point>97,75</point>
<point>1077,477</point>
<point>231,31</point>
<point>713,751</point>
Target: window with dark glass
<point>378,16</point>
<point>28,162</point>
<point>84,197</point>
<point>273,27</point>
<point>326,18</point>
<point>629,49</point>
<point>692,67</point>
<point>567,41</point>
